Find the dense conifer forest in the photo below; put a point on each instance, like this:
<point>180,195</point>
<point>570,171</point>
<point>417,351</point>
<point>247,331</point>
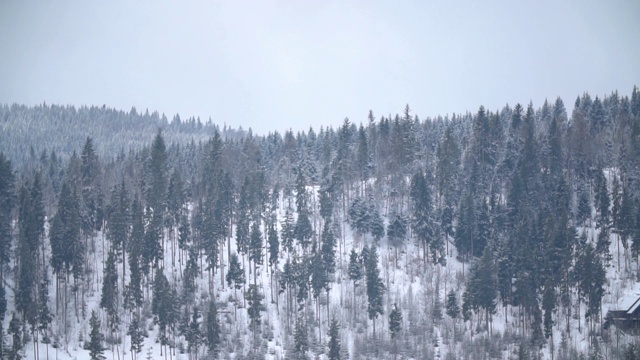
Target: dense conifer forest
<point>499,234</point>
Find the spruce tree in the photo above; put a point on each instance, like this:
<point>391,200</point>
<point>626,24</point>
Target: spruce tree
<point>136,335</point>
<point>254,298</point>
<point>255,248</point>
<point>356,273</point>
<point>235,275</point>
<point>194,334</point>
<point>163,305</point>
<point>452,308</point>
<point>213,329</point>
<point>96,338</point>
<point>274,245</point>
<point>397,232</point>
<point>334,340</point>
<point>109,298</point>
<point>301,341</point>
<point>395,321</point>
<point>376,223</point>
<point>288,231</point>
<point>482,285</point>
<point>7,200</point>
<point>15,330</point>
<point>375,287</point>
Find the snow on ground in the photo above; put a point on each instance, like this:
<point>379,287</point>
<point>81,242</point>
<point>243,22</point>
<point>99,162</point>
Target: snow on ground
<point>408,281</point>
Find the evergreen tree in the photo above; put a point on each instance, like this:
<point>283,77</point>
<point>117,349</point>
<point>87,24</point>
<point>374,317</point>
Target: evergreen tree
<point>319,275</point>
<point>397,231</point>
<point>301,341</point>
<point>90,169</point>
<point>482,285</point>
<point>359,216</point>
<point>376,223</point>
<point>356,273</point>
<point>395,321</point>
<point>255,248</point>
<point>31,231</point>
<point>3,310</point>
<point>591,278</point>
<point>328,249</point>
<point>602,201</point>
<point>109,298</point>
<point>194,335</point>
<point>163,305</point>
<point>288,231</point>
<point>334,340</point>
<point>191,272</point>
<point>157,192</point>
<point>452,308</point>
<point>274,245</point>
<point>95,338</point>
<point>375,287</point>
<point>213,328</point>
<point>421,221</point>
<point>303,229</point>
<point>254,298</point>
<point>7,200</point>
<point>15,330</point>
<point>235,275</point>
<point>136,335</point>
<point>548,305</point>
<point>175,198</point>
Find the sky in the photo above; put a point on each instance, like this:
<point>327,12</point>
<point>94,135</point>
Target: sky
<point>278,65</point>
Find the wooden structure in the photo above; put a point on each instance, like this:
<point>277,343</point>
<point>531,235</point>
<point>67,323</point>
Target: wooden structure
<point>627,318</point>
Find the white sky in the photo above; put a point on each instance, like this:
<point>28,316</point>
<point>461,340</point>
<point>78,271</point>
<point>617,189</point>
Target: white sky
<point>275,65</point>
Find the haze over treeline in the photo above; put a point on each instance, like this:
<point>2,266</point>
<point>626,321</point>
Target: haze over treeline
<point>502,233</point>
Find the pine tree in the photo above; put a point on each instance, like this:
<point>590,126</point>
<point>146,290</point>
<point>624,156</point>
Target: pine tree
<point>136,335</point>
<point>163,304</point>
<point>328,250</point>
<point>194,335</point>
<point>303,229</point>
<point>356,273</point>
<point>301,341</point>
<point>7,200</point>
<point>235,275</point>
<point>3,310</point>
<point>602,201</point>
<point>274,245</point>
<point>591,278</point>
<point>397,232</point>
<point>157,192</point>
<point>109,298</point>
<point>334,340</point>
<point>191,272</point>
<point>95,338</point>
<point>452,308</point>
<point>288,231</point>
<point>254,298</point>
<point>213,328</point>
<point>376,223</point>
<point>359,216</point>
<point>15,330</point>
<point>255,248</point>
<point>30,233</point>
<point>482,285</point>
<point>421,221</point>
<point>395,321</point>
<point>375,287</point>
<point>548,305</point>
<point>90,169</point>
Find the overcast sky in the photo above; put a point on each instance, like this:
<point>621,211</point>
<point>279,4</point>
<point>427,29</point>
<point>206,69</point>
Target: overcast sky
<point>275,65</point>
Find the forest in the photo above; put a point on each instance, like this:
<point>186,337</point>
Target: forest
<point>499,234</point>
